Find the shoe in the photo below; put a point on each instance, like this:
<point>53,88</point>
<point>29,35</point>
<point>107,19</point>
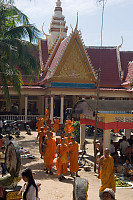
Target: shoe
<point>60,179</point>
<point>51,172</point>
<point>77,176</point>
<point>46,171</point>
<point>63,177</point>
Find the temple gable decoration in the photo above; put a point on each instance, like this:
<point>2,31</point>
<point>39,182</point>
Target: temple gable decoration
<point>71,63</point>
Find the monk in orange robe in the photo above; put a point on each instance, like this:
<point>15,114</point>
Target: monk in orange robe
<point>68,138</point>
<point>48,123</point>
<point>40,136</point>
<point>73,155</point>
<point>106,172</point>
<point>65,138</point>
<point>47,113</point>
<point>56,124</point>
<point>72,127</point>
<point>67,125</point>
<point>50,152</point>
<point>45,128</point>
<point>40,123</point>
<point>61,162</point>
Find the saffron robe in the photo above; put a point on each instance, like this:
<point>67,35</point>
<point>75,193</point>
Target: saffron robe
<point>41,134</point>
<point>107,174</point>
<point>72,128</point>
<point>47,113</point>
<point>68,140</point>
<point>40,123</point>
<point>56,125</point>
<point>61,162</point>
<point>50,153</point>
<point>67,126</point>
<point>48,122</point>
<point>73,155</point>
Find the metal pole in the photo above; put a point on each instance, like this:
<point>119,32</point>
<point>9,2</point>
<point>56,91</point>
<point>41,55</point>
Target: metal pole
<point>102,24</point>
<point>96,111</point>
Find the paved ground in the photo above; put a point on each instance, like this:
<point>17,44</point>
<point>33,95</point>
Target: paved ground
<point>51,188</point>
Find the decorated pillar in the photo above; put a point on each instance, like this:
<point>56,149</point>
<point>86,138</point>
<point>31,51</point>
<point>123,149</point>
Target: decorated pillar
<point>62,109</point>
<point>26,107</point>
<point>52,108</point>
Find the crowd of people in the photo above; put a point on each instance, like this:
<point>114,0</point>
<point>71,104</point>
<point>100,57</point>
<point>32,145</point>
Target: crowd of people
<point>122,149</point>
<point>66,148</point>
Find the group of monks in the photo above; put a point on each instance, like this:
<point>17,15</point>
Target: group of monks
<point>66,148</point>
<point>68,125</point>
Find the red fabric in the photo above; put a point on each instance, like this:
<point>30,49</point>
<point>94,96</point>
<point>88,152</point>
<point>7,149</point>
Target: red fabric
<point>110,125</point>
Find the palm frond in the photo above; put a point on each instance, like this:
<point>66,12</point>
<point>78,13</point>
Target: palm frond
<point>23,32</point>
<point>17,56</point>
<point>11,10</point>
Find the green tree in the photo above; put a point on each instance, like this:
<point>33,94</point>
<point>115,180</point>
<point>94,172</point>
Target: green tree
<point>16,50</point>
<point>76,131</point>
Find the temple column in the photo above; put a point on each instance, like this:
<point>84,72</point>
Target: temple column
<point>46,102</point>
<point>26,107</point>
<point>82,135</point>
<point>52,108</point>
<point>42,100</point>
<point>62,109</point>
<point>106,139</point>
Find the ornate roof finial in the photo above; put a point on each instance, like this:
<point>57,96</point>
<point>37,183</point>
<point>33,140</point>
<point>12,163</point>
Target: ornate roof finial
<point>71,28</point>
<point>58,3</point>
<point>43,31</point>
<point>121,42</point>
<point>76,22</point>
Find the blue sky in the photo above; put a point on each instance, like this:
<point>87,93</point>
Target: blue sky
<point>118,19</point>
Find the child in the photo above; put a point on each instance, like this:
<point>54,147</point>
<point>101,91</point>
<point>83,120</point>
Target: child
<point>2,160</point>
<point>127,167</point>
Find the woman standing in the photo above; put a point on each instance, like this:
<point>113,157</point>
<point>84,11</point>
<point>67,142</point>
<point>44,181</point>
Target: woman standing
<point>30,190</point>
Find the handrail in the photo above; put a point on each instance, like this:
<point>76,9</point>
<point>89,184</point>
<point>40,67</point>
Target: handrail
<point>18,117</point>
<point>21,117</point>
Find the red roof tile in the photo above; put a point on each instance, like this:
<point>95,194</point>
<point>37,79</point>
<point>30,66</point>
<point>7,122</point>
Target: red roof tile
<point>45,55</point>
<point>44,48</point>
<point>35,79</point>
<point>105,59</point>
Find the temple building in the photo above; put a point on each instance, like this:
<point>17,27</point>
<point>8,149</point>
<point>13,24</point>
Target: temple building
<point>69,73</point>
